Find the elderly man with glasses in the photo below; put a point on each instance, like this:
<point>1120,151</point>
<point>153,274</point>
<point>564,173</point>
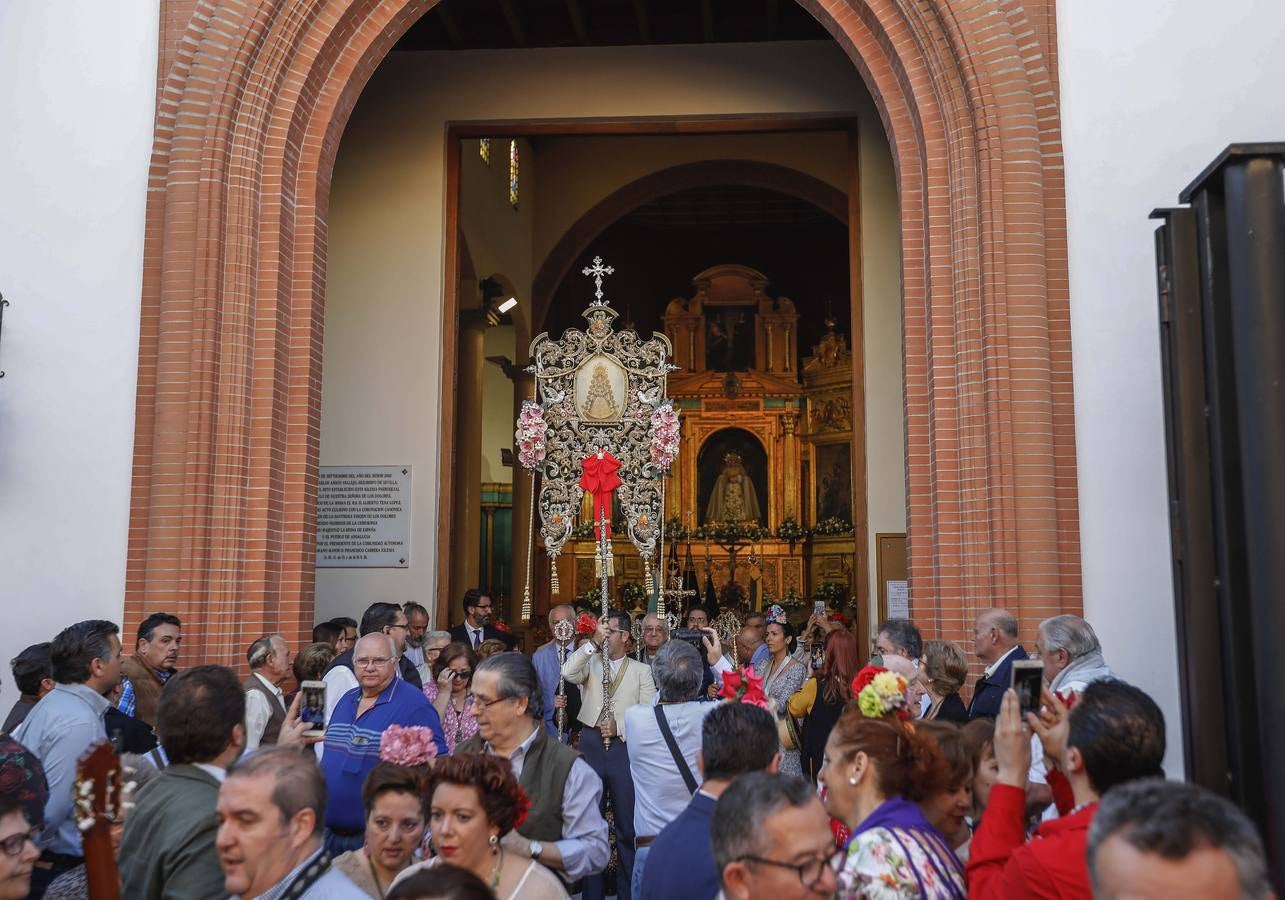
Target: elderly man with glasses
<point>358,722</point>
<point>564,829</point>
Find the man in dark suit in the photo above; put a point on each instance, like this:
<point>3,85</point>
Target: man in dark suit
<point>477,626</point>
<point>167,849</point>
<point>994,643</point>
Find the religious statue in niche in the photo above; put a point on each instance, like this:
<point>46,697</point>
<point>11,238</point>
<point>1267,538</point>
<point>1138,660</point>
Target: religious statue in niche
<point>729,338</point>
<point>600,389</point>
<point>834,482</point>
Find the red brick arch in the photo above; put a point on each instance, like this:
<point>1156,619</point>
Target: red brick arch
<point>253,98</point>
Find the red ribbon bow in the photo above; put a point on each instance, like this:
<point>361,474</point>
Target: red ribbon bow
<point>601,480</point>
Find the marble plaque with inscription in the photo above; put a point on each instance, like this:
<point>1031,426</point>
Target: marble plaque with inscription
<point>363,517</point>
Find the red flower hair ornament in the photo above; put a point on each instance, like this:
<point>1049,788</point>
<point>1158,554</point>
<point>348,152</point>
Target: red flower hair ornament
<point>523,804</point>
<point>880,692</point>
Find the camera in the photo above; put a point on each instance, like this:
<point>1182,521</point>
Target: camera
<point>692,636</point>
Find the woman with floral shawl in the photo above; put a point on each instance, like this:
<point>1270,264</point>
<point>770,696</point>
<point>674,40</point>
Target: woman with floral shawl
<point>876,770</point>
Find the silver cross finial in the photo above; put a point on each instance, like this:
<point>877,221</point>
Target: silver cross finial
<point>597,270</point>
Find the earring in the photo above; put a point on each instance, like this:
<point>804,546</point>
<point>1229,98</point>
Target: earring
<point>494,840</point>
<point>853,779</point>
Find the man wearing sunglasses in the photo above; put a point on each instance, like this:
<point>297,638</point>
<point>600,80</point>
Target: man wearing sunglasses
<point>772,839</point>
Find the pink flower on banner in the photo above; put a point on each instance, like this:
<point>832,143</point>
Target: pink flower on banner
<point>664,436</point>
<point>531,434</point>
<point>412,745</point>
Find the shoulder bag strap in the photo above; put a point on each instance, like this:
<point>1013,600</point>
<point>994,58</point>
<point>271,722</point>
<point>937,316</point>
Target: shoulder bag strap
<point>667,733</point>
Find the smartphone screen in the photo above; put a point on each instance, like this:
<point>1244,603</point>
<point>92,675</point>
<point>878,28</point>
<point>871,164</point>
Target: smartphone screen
<point>818,608</point>
<point>312,708</point>
<point>1028,682</point>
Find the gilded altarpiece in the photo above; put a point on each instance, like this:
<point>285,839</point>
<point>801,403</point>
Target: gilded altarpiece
<point>754,425</point>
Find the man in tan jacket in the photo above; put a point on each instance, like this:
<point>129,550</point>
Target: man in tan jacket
<point>602,740</point>
<point>155,659</point>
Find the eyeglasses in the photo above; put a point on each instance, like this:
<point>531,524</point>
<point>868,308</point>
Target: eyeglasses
<point>654,629</point>
<point>479,703</point>
<point>402,625</point>
<point>463,673</point>
<point>372,662</point>
<point>810,873</point>
<point>15,843</point>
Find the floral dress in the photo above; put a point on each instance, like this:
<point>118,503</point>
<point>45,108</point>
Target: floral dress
<point>457,726</point>
<point>897,861</point>
<point>782,682</point>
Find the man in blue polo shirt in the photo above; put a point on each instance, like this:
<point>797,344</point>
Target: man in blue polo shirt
<point>736,738</point>
<point>353,732</point>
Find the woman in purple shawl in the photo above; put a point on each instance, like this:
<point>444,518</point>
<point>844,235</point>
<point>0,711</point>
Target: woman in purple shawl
<point>875,772</point>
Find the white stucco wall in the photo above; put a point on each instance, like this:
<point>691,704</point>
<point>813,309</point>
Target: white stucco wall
<point>1151,91</point>
<point>77,105</point>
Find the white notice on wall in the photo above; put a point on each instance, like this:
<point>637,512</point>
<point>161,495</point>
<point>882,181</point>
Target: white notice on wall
<point>363,517</point>
<point>898,599</point>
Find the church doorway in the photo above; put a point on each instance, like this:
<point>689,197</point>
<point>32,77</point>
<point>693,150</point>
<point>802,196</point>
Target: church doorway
<point>247,254</point>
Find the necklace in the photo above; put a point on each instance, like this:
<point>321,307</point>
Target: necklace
<point>499,864</point>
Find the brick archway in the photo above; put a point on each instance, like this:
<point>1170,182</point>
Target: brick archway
<point>253,98</point>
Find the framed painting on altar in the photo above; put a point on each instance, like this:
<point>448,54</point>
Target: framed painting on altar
<point>833,481</point>
<point>729,337</point>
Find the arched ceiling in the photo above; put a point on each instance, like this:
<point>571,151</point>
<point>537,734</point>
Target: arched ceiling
<point>509,24</point>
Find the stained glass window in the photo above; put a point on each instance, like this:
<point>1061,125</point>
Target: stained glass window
<point>513,174</point>
<point>484,150</point>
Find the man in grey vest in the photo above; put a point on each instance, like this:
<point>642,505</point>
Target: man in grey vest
<point>564,829</point>
<point>265,707</point>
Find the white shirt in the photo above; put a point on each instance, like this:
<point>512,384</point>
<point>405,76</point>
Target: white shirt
<point>660,793</point>
<point>258,712</point>
<point>990,670</point>
<point>218,773</point>
<point>416,657</point>
<point>475,635</point>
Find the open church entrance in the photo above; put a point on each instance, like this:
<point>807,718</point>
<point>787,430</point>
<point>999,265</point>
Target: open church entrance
<point>765,245</point>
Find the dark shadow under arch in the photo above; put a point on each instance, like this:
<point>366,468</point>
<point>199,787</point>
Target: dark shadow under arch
<point>705,173</point>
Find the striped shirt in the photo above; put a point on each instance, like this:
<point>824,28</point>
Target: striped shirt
<point>352,746</point>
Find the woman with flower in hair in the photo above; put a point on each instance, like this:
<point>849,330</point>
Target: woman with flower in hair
<point>448,691</point>
<point>876,772</point>
<point>396,818</point>
<point>474,802</point>
<point>783,675</point>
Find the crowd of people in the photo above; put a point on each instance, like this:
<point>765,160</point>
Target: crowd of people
<point>611,760</point>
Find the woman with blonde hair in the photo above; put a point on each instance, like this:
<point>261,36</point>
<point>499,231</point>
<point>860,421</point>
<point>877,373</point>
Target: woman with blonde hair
<point>945,667</point>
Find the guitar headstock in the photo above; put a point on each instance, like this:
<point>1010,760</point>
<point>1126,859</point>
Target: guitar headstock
<point>99,788</point>
<point>99,804</point>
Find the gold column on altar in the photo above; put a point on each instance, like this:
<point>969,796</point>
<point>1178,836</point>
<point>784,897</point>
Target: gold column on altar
<point>790,462</point>
<point>466,522</point>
